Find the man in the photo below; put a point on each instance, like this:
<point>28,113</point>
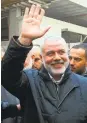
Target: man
<point>34,58</point>
<point>78,59</point>
<point>52,95</point>
<point>10,107</point>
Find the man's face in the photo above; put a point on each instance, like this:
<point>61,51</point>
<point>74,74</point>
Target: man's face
<point>36,61</point>
<point>55,58</point>
<point>78,60</point>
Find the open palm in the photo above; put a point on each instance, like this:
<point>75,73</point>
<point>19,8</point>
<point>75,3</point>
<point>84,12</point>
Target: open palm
<point>31,23</point>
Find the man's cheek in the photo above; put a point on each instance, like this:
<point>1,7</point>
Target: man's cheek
<point>48,60</point>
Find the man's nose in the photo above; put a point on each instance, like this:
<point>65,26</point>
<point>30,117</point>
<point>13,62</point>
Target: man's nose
<point>57,56</point>
<point>72,62</point>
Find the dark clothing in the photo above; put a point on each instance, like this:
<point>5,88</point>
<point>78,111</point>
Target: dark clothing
<point>8,110</point>
<point>43,100</point>
<point>8,97</point>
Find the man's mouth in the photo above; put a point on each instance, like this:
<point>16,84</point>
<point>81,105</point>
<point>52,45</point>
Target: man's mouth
<point>58,62</point>
<point>58,65</point>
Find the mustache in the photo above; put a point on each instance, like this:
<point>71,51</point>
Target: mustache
<point>57,62</point>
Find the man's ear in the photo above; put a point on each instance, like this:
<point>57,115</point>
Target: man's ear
<point>41,57</point>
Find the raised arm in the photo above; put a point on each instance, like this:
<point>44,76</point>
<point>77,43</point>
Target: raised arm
<point>13,79</point>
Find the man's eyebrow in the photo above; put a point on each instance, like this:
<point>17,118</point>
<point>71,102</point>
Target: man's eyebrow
<point>74,57</point>
<point>50,51</point>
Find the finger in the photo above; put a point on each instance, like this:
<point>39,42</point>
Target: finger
<point>40,16</point>
<point>37,11</point>
<point>31,12</point>
<point>26,12</point>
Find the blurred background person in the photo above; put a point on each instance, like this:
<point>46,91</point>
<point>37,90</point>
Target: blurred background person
<point>28,61</point>
<point>9,111</point>
<point>78,59</point>
<point>10,105</point>
<point>34,58</point>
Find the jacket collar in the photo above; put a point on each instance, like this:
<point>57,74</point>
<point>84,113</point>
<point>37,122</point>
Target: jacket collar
<point>45,75</point>
<point>69,82</point>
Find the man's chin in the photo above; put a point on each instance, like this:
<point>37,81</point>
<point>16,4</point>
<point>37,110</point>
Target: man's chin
<point>73,70</point>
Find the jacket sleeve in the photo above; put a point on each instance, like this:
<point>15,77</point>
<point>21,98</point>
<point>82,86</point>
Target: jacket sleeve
<point>8,110</point>
<point>12,76</point>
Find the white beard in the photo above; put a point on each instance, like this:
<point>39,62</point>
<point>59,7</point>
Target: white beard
<point>55,71</point>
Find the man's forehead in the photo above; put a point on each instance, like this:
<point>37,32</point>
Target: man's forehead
<point>54,42</point>
<point>37,55</point>
<point>77,52</point>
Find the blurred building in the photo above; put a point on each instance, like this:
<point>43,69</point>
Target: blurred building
<point>67,18</point>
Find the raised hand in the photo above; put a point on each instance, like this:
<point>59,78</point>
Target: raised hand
<point>31,24</point>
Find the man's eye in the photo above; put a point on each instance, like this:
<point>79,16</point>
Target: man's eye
<point>50,53</point>
<point>36,59</point>
<point>61,52</point>
<point>77,59</point>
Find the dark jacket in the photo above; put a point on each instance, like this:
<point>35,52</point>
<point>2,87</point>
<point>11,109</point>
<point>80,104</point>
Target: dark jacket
<point>44,101</point>
<point>8,110</point>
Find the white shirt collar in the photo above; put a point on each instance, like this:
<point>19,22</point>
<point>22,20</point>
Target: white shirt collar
<point>53,80</point>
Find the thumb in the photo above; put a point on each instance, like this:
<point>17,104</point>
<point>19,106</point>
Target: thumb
<point>45,31</point>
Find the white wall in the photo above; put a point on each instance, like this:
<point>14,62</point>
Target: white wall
<point>80,2</point>
<point>56,26</point>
